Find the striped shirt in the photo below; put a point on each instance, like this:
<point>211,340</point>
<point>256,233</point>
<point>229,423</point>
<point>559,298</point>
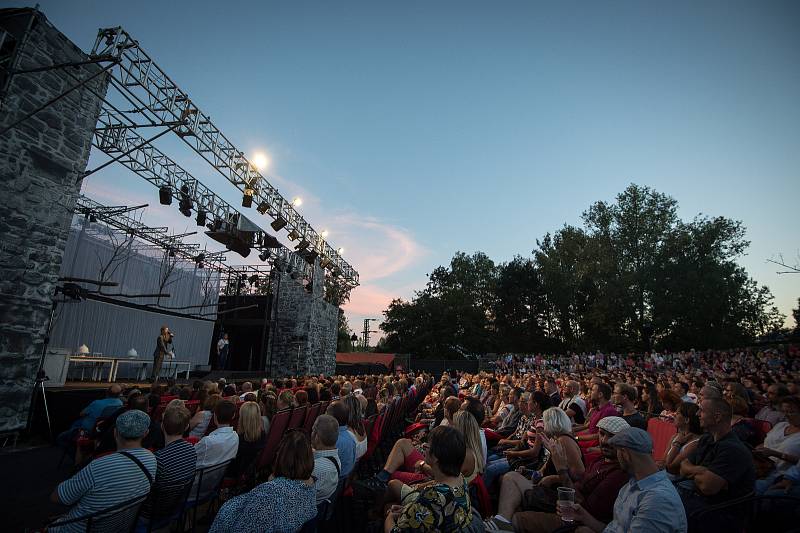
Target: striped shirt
<point>176,462</point>
<point>325,474</point>
<point>105,482</point>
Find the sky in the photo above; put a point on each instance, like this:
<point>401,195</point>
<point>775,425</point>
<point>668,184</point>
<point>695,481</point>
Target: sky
<point>416,129</point>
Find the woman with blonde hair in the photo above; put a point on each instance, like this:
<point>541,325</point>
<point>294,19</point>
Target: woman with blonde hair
<point>465,422</point>
<point>355,424</point>
<point>252,438</point>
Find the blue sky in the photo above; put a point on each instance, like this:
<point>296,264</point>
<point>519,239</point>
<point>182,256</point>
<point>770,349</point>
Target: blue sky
<point>415,129</point>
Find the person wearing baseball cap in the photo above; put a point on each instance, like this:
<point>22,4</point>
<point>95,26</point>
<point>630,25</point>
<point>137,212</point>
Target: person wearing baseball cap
<point>649,501</point>
<point>112,479</point>
<point>596,491</point>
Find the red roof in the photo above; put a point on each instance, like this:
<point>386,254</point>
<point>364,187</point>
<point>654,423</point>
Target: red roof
<point>384,359</point>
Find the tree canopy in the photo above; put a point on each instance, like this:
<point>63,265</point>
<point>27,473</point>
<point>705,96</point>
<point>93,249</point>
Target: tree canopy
<point>633,277</point>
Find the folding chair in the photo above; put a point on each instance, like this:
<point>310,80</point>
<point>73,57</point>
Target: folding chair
<point>120,518</point>
<point>165,504</point>
<point>205,489</point>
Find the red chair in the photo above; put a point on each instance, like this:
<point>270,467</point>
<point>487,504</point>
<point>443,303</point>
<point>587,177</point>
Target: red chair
<point>277,427</point>
<point>297,418</point>
<point>491,435</point>
<point>311,416</point>
<point>482,495</point>
<point>762,427</point>
<point>661,432</point>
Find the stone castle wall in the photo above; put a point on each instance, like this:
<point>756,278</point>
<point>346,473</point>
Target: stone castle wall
<point>41,161</point>
<point>304,338</point>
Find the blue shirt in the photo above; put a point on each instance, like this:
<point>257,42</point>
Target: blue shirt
<point>650,504</point>
<point>95,409</point>
<point>347,451</point>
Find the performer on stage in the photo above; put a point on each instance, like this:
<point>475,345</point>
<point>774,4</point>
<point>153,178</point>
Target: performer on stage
<point>223,347</point>
<point>163,348</point>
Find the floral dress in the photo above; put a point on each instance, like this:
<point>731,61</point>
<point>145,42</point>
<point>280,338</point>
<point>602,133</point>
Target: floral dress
<point>435,507</point>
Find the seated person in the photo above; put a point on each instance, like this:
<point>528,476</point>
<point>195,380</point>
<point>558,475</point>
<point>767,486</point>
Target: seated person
<point>222,444</point>
<point>683,443</point>
<point>282,504</point>
<point>596,490</point>
<point>601,398</point>
<point>345,444</point>
<point>89,415</point>
<point>327,466</point>
<point>252,439</point>
<point>647,502</point>
<point>718,470</point>
<point>782,444</point>
<point>625,396</point>
<point>105,438</point>
<point>442,505</point>
<point>114,478</point>
<point>177,460</point>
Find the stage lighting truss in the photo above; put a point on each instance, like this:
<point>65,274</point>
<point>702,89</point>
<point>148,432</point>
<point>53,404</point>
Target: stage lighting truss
<point>245,280</point>
<point>117,139</point>
<point>158,101</point>
<point>118,217</point>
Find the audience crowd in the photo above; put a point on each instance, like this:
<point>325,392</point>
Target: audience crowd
<point>636,442</point>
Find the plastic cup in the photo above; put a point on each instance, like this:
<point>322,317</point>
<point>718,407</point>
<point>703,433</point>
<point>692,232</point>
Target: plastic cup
<point>566,504</point>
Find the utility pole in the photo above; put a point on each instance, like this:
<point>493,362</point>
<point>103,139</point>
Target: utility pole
<point>366,332</point>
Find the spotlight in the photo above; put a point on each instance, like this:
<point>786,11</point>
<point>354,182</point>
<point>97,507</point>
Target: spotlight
<point>201,218</point>
<point>340,251</point>
<point>247,199</point>
<point>165,195</point>
<point>297,201</point>
<point>324,234</point>
<point>324,262</point>
<point>264,255</point>
<point>260,161</point>
<point>185,203</point>
<point>171,252</point>
<point>279,223</point>
<point>302,245</point>
<point>293,235</point>
<point>263,207</point>
<point>253,280</point>
<point>92,218</point>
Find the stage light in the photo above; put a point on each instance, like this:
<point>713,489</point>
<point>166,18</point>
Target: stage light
<point>92,218</point>
<point>297,201</point>
<point>279,223</point>
<point>171,252</point>
<point>340,251</point>
<point>201,218</point>
<point>324,262</point>
<point>302,245</point>
<point>263,207</point>
<point>293,235</point>
<point>247,197</point>
<point>264,255</point>
<point>260,161</point>
<point>185,203</point>
<point>253,280</point>
<point>165,195</point>
<point>324,234</point>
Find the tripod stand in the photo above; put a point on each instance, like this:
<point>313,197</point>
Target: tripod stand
<point>41,377</point>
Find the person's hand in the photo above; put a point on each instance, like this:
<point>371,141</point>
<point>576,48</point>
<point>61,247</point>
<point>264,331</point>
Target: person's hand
<point>418,467</point>
<point>546,441</point>
<point>784,484</point>
<point>395,511</point>
<point>579,514</point>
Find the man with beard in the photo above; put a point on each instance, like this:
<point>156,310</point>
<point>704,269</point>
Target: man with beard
<point>596,491</point>
<point>648,502</point>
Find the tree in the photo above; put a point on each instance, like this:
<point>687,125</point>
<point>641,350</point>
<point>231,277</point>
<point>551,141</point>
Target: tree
<point>343,341</point>
<point>796,316</point>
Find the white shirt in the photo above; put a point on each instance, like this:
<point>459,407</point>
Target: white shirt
<point>483,447</point>
<point>217,447</point>
<point>361,445</point>
<point>221,344</point>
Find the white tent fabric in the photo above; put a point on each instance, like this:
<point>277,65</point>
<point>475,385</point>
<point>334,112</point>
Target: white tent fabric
<point>93,252</point>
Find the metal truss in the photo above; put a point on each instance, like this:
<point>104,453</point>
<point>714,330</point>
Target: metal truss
<point>120,140</point>
<point>245,279</point>
<point>159,101</point>
<point>118,217</point>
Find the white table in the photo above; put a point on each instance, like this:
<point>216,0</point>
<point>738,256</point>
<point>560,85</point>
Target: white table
<point>97,365</point>
<point>168,368</point>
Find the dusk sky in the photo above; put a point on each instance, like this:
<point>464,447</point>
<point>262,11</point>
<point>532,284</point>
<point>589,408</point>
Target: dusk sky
<point>415,129</point>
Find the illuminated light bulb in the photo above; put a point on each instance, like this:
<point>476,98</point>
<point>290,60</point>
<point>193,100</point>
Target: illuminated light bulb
<point>260,161</point>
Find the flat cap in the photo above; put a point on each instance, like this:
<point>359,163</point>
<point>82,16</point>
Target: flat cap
<point>613,424</point>
<point>132,424</point>
<point>635,439</point>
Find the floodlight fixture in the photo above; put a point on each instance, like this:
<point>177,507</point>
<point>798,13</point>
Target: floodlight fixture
<point>247,197</point>
<point>340,251</point>
<point>165,195</point>
<point>264,255</point>
<point>297,201</point>
<point>324,234</point>
<point>260,161</point>
<point>263,207</point>
<point>293,235</point>
<point>279,223</point>
<point>201,217</point>
<point>185,203</point>
<point>302,245</point>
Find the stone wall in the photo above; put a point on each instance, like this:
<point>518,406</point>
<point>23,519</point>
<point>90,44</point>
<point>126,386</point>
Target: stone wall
<point>304,338</point>
<point>41,160</point>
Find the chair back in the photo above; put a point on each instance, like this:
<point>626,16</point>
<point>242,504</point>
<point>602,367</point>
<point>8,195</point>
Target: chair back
<point>297,417</point>
<point>311,416</point>
<point>277,427</point>
<point>207,482</point>
<point>116,519</point>
<point>166,502</point>
<point>762,427</point>
<point>661,432</point>
<point>481,493</point>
